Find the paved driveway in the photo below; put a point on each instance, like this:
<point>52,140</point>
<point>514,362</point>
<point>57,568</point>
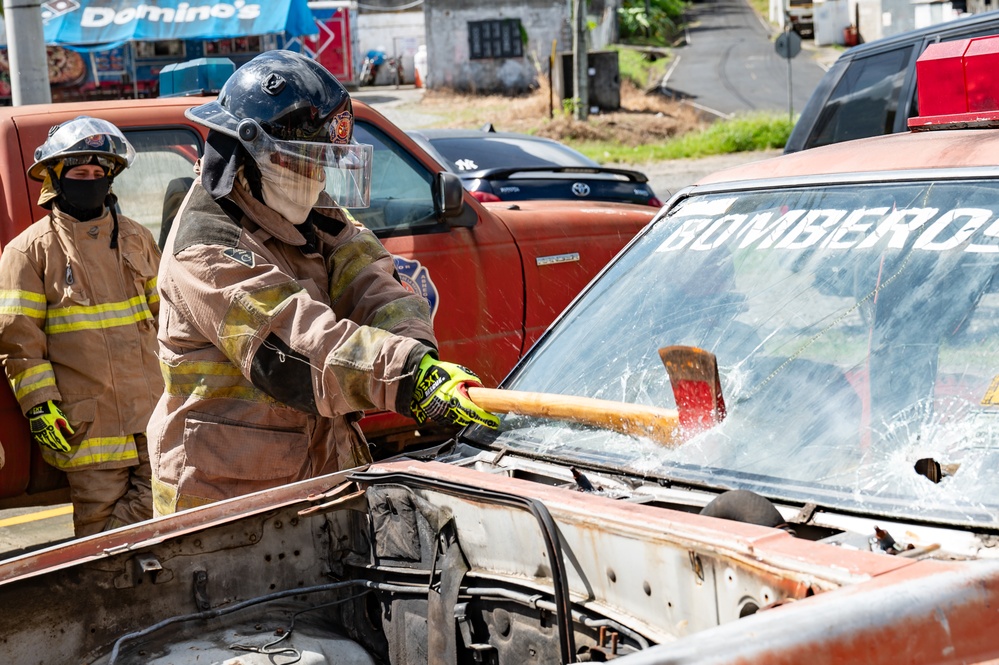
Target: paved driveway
<point>729,64</point>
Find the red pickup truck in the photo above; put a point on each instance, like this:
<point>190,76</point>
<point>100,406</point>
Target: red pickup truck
<point>496,275</point>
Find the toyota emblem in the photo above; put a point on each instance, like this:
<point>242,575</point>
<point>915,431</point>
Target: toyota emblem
<point>580,189</point>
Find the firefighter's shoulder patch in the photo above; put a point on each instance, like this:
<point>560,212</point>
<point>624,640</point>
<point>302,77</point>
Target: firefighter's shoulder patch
<point>243,256</point>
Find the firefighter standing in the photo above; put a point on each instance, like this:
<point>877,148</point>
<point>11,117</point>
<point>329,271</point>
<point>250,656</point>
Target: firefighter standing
<point>78,308</point>
<point>283,321</point>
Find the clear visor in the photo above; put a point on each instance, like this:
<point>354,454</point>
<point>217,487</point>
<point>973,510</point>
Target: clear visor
<point>340,173</point>
<point>89,129</point>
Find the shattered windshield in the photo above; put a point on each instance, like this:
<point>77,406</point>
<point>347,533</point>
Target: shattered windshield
<point>856,333</point>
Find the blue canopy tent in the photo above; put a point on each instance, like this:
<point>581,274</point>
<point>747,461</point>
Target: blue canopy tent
<point>106,22</point>
<point>108,30</point>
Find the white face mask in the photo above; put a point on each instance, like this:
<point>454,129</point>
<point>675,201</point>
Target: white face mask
<point>287,193</point>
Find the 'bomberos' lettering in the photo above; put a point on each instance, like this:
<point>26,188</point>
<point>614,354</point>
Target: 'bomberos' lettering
<point>929,229</point>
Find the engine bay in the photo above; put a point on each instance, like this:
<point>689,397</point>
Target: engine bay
<point>412,562</point>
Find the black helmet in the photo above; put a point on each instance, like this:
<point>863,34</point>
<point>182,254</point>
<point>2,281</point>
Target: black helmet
<point>291,97</point>
<point>288,110</point>
<point>83,138</point>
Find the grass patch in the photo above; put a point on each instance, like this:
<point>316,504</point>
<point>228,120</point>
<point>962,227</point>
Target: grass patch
<point>641,66</point>
<point>762,8</point>
<point>744,133</point>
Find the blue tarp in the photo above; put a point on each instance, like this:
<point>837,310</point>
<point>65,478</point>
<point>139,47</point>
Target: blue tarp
<point>84,22</point>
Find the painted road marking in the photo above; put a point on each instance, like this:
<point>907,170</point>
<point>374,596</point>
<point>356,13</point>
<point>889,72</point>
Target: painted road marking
<point>41,515</point>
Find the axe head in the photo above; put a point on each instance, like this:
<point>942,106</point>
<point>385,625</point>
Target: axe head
<point>693,373</point>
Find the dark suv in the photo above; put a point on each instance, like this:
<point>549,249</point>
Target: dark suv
<point>871,89</point>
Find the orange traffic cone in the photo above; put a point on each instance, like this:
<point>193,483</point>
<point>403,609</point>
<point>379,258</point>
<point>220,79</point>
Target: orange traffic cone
<point>417,81</point>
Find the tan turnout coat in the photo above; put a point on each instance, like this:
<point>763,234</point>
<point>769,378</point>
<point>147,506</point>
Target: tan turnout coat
<point>78,327</point>
<point>272,344</point>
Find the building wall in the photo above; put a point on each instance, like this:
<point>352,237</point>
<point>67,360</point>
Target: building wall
<point>543,21</point>
<point>934,13</point>
<point>449,62</point>
<point>603,14</point>
<point>883,18</point>
<point>397,33</point>
<point>831,17</point>
<point>869,12</point>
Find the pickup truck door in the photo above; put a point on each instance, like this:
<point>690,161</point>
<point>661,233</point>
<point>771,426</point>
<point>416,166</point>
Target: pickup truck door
<point>150,189</point>
<point>472,276</point>
<point>563,246</point>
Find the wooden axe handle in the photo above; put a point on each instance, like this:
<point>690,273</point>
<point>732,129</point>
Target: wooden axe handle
<point>660,425</point>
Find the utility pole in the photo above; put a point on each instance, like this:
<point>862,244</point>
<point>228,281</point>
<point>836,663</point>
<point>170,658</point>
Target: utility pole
<point>29,66</point>
<point>580,64</point>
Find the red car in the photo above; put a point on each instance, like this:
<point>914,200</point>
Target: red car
<point>495,276</point>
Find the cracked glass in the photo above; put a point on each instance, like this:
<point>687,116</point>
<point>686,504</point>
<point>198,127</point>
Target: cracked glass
<point>856,331</point>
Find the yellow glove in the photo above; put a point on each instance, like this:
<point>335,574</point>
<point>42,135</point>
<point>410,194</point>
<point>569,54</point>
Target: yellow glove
<point>441,394</point>
<point>49,426</point>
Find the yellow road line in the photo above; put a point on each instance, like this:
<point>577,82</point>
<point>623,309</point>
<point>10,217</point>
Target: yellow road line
<point>41,515</point>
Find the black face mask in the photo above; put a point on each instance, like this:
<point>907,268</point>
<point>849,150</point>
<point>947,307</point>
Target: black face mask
<point>84,199</point>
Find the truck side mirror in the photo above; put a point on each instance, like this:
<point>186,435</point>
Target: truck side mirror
<point>449,199</point>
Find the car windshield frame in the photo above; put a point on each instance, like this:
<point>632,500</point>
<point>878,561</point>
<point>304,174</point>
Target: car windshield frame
<point>799,287</point>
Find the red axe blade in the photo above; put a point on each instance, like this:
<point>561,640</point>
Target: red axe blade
<point>693,372</point>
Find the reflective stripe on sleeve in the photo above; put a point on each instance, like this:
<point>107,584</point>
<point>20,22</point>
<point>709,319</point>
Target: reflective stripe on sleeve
<point>97,317</point>
<point>210,380</point>
<point>152,294</point>
<point>22,303</point>
<point>164,497</point>
<point>394,313</point>
<point>248,314</point>
<point>97,450</point>
<point>353,362</point>
<point>32,379</point>
<point>350,259</point>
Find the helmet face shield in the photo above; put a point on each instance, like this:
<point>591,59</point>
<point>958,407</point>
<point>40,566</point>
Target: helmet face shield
<point>341,171</point>
<point>295,120</point>
<point>80,139</point>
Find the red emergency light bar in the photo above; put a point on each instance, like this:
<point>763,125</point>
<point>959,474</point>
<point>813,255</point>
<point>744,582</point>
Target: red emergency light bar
<point>958,84</point>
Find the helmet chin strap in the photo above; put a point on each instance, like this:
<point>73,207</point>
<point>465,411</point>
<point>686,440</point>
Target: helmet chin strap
<point>252,174</point>
<point>111,201</point>
<point>54,179</point>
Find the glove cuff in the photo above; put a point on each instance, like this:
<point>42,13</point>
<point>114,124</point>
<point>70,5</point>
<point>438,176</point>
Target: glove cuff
<point>40,409</point>
<point>407,384</point>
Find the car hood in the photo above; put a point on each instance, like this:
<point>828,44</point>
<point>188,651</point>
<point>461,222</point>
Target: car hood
<point>914,151</point>
<point>360,566</point>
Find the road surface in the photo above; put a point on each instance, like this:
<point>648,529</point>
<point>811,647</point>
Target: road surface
<point>729,64</point>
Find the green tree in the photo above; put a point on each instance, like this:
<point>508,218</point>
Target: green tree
<point>650,21</point>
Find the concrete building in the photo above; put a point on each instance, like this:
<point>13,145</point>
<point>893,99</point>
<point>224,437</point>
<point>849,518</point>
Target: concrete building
<point>501,46</point>
<point>875,19</point>
<point>398,32</point>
